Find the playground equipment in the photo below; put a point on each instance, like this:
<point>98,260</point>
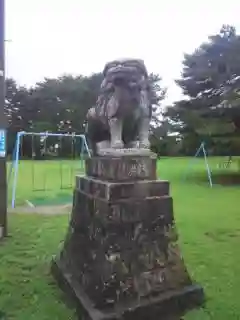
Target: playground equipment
<point>47,151</point>
<point>226,163</point>
<point>203,149</point>
<point>225,168</point>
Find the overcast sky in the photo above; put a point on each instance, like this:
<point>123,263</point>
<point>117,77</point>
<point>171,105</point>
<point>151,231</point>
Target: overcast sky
<point>52,37</point>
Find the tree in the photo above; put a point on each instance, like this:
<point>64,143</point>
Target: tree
<point>158,95</point>
<point>61,104</point>
<point>58,105</point>
<point>210,81</point>
<point>16,102</point>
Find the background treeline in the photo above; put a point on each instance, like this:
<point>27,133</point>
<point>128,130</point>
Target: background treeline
<point>209,111</point>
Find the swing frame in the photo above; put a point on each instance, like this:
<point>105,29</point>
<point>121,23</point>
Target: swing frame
<point>16,154</point>
<point>208,170</point>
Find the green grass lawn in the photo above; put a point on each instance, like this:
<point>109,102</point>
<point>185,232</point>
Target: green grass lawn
<point>208,222</point>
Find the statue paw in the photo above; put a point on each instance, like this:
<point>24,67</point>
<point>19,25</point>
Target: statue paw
<point>144,144</point>
<point>133,144</point>
<point>117,145</point>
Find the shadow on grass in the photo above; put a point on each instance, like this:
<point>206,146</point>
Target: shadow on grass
<point>218,178</point>
<point>227,178</point>
<point>58,199</point>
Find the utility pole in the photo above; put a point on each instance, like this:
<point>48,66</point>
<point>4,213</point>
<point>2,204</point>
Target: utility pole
<point>3,127</point>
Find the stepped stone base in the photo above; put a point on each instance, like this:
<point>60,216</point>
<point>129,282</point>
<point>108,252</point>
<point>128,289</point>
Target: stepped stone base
<point>120,258</point>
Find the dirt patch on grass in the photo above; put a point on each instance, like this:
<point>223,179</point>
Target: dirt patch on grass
<point>46,210</point>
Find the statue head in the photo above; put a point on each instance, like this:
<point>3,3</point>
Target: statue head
<point>124,82</point>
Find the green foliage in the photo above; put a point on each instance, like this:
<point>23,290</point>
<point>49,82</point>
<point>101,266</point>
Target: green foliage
<point>58,105</point>
<point>211,83</point>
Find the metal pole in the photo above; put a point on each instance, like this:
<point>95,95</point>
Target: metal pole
<point>50,134</point>
<point>16,164</point>
<point>3,126</point>
<point>191,162</point>
<point>207,167</point>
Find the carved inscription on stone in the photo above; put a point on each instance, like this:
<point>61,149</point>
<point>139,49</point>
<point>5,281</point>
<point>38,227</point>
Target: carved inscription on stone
<point>137,169</point>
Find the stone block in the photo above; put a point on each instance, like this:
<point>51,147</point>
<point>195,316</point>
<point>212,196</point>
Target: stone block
<point>111,191</point>
<point>121,211</point>
<point>164,307</point>
<point>122,168</point>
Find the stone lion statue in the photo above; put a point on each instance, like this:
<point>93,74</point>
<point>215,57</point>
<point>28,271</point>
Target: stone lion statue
<point>123,110</point>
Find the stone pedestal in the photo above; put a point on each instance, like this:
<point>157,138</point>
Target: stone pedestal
<point>120,258</point>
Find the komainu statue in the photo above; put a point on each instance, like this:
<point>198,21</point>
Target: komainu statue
<point>120,259</point>
<point>123,110</point>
